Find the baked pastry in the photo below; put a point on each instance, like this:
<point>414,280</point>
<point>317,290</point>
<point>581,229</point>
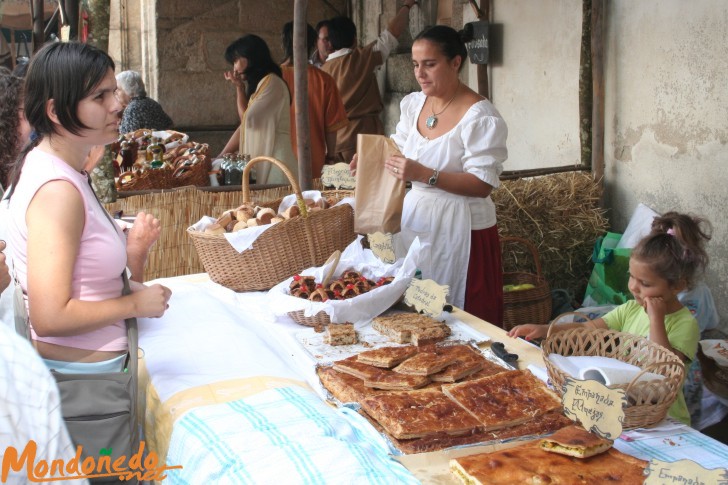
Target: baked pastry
<point>319,294</point>
<point>384,280</point>
<point>378,378</point>
<point>425,363</point>
<point>308,282</point>
<point>386,357</point>
<point>548,423</point>
<point>575,441</point>
<point>301,292</point>
<point>468,361</point>
<point>337,285</point>
<point>344,387</point>
<point>350,291</point>
<point>215,228</point>
<point>264,216</point>
<point>504,399</point>
<point>413,414</point>
<point>529,464</point>
<point>292,211</point>
<point>411,328</point>
<point>340,334</point>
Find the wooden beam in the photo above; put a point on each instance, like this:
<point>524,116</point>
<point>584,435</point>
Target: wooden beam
<point>36,10</point>
<point>300,83</point>
<point>597,52</point>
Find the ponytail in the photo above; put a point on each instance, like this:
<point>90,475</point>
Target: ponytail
<point>675,247</point>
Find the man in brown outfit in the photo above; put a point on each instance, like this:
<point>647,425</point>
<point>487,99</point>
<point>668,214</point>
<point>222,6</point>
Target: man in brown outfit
<point>353,69</point>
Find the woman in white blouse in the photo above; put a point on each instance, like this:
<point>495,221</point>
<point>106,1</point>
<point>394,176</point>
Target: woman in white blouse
<point>263,102</point>
<point>454,145</point>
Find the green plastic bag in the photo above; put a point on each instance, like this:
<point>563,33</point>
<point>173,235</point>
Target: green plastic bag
<point>608,283</point>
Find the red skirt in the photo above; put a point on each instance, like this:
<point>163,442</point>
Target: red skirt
<point>484,286</point>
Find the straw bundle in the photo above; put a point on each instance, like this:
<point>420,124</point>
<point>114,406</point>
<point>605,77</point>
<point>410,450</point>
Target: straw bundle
<point>560,214</point>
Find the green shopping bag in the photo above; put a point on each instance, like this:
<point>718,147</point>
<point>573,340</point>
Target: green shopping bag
<point>608,283</point>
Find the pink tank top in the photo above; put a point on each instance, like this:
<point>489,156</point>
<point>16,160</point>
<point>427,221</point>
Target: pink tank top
<point>101,257</point>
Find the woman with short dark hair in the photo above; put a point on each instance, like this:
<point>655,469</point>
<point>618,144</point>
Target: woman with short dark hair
<point>68,254</point>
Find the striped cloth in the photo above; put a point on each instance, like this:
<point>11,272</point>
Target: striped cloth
<point>284,435</point>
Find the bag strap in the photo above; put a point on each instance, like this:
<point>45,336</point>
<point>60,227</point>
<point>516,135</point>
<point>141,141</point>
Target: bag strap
<point>132,331</point>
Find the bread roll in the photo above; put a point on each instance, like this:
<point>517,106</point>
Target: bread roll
<point>225,219</point>
<point>253,222</point>
<point>276,220</point>
<point>292,211</point>
<point>214,228</point>
<point>264,216</point>
<point>240,225</point>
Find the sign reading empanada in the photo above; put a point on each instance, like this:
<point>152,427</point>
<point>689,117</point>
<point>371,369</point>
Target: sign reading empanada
<point>338,176</point>
<point>683,471</point>
<point>426,296</point>
<point>382,245</point>
<point>598,408</point>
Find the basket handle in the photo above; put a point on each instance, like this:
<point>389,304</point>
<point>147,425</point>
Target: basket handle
<point>334,258</point>
<point>291,178</point>
<point>577,314</point>
<point>528,245</point>
<point>647,369</point>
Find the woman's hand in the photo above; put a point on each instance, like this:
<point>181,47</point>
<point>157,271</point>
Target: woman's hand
<point>352,164</point>
<point>150,301</point>
<point>142,235</point>
<point>529,331</point>
<point>403,168</point>
<point>235,78</point>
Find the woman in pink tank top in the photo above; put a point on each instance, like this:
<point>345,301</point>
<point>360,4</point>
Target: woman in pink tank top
<point>68,254</point>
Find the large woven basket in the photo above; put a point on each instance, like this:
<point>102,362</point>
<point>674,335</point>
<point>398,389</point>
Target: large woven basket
<point>647,401</point>
<point>525,306</point>
<point>283,250</point>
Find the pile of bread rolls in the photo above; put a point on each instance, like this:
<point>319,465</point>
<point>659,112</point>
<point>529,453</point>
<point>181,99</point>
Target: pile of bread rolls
<point>250,215</point>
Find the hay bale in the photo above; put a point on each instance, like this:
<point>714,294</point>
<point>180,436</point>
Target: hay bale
<point>560,214</point>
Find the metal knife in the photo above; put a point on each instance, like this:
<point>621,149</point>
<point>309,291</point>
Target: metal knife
<point>511,360</point>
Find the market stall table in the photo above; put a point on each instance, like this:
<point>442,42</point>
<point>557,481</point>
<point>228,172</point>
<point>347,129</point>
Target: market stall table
<point>231,393</point>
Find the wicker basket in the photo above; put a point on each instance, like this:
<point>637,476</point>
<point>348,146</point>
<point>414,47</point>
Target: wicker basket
<point>283,250</point>
<point>647,401</point>
<point>525,306</point>
<point>161,178</point>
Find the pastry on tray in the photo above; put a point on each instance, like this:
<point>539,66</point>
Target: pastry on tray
<point>414,414</point>
<point>379,378</point>
<point>575,441</point>
<point>340,334</point>
<point>504,399</point>
<point>386,357</point>
<point>528,463</point>
<point>411,328</point>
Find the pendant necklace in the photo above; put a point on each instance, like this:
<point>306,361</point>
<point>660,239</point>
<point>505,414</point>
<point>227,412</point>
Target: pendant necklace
<point>431,121</point>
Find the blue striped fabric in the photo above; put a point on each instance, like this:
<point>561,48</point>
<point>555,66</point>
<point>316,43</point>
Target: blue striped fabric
<point>284,435</point>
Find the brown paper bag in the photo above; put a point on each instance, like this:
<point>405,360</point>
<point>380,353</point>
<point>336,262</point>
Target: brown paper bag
<point>379,196</point>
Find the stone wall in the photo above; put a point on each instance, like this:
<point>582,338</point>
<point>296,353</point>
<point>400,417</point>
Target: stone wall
<point>178,45</point>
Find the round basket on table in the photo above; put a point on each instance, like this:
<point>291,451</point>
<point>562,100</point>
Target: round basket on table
<point>647,401</point>
<point>530,305</point>
<point>283,250</point>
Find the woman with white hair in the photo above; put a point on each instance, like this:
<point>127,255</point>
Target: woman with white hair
<point>140,111</point>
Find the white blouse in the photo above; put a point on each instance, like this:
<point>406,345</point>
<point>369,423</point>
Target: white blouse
<point>476,145</point>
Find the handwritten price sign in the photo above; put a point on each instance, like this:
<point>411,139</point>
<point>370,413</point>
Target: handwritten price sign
<point>382,246</point>
<point>597,407</point>
<point>683,471</point>
<point>426,296</point>
<point>338,176</point>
